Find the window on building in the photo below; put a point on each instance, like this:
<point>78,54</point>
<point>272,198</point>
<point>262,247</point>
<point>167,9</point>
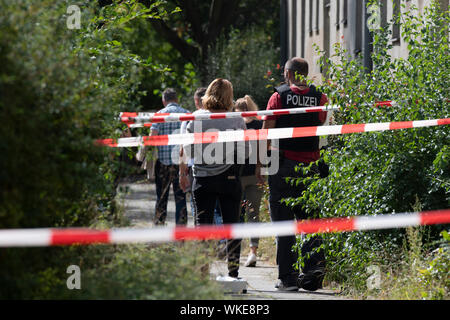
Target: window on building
<point>310,27</point>
<point>303,26</point>
<point>316,20</point>
<point>326,33</point>
<point>294,28</point>
<point>338,14</point>
<point>396,25</point>
<point>359,26</point>
<point>344,13</point>
<point>383,12</point>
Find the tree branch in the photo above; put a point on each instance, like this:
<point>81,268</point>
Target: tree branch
<point>188,51</point>
<point>220,16</point>
<point>191,13</point>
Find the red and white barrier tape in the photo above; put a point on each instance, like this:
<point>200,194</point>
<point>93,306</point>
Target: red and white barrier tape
<point>266,134</point>
<point>53,237</point>
<point>146,119</point>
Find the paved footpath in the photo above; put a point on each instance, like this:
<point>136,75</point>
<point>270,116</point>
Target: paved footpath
<point>138,197</point>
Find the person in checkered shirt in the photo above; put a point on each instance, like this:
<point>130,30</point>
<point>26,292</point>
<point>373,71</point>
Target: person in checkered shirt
<point>166,169</point>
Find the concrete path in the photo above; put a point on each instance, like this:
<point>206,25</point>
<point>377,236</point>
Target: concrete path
<point>138,197</point>
<point>261,283</point>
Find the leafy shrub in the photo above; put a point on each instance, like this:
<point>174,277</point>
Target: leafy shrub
<point>60,90</point>
<point>169,271</point>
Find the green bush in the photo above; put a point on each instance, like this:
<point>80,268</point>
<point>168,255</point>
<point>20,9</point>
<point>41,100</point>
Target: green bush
<point>390,171</point>
<point>169,271</point>
<point>60,89</point>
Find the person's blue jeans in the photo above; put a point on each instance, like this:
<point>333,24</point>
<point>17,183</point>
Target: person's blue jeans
<point>217,214</point>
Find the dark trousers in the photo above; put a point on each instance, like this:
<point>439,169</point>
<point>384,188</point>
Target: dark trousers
<point>164,177</point>
<point>286,256</point>
<point>226,188</point>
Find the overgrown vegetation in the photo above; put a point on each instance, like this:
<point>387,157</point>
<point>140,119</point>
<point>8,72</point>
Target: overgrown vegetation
<point>391,171</point>
<point>60,89</point>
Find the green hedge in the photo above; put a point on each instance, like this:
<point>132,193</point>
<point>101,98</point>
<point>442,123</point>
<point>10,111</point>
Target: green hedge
<point>60,89</point>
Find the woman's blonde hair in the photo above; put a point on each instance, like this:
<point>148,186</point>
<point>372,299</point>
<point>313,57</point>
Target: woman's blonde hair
<point>246,104</point>
<point>219,95</point>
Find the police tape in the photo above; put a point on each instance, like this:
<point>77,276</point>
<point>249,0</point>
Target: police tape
<point>139,119</point>
<point>84,236</point>
<point>146,119</point>
<point>265,134</point>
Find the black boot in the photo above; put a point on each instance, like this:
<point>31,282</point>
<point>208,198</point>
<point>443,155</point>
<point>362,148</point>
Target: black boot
<point>313,273</point>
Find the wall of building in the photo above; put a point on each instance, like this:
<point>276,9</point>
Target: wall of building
<point>326,22</point>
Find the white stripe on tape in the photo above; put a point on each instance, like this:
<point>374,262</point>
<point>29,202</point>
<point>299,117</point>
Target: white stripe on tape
<point>25,238</point>
<point>280,133</point>
<point>399,220</point>
<point>230,136</point>
<point>180,139</point>
<point>156,234</point>
<point>329,130</point>
<point>129,142</point>
<point>424,123</point>
<point>259,230</point>
<point>377,126</point>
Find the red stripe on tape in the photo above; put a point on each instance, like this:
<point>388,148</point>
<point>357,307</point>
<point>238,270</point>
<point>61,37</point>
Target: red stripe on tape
<point>435,217</point>
<point>158,120</point>
<point>400,125</point>
<point>187,118</point>
<point>311,110</point>
<point>106,142</point>
<point>441,122</point>
<point>353,128</point>
<point>82,236</point>
<point>218,116</point>
<point>304,132</point>
<point>129,114</point>
<point>281,112</point>
<point>326,225</point>
<point>203,232</point>
<point>161,140</point>
<point>249,114</point>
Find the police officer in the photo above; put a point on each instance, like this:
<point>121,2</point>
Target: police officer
<point>295,93</point>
